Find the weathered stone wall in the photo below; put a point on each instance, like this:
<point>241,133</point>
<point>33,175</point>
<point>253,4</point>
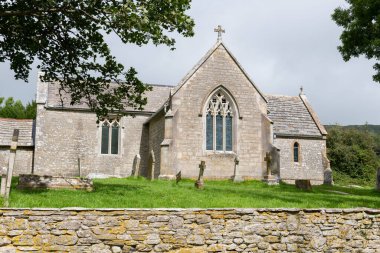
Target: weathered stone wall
<point>156,136</point>
<point>220,69</point>
<point>23,161</point>
<point>189,230</point>
<point>63,136</point>
<point>310,165</point>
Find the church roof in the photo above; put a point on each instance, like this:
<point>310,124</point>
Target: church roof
<point>156,98</point>
<point>293,116</point>
<point>26,134</point>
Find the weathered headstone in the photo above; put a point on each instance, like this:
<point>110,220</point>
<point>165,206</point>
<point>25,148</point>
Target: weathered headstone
<point>303,184</point>
<point>3,173</point>
<point>136,165</point>
<point>178,177</point>
<point>237,177</point>
<point>199,183</point>
<point>11,163</point>
<point>327,173</point>
<point>79,168</point>
<point>378,180</point>
<point>328,177</point>
<point>269,178</point>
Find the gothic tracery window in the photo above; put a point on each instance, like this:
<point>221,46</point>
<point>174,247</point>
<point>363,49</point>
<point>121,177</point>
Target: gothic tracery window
<point>219,114</point>
<point>110,136</point>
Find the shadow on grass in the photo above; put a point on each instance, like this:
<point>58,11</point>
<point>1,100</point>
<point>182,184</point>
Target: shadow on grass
<point>291,196</point>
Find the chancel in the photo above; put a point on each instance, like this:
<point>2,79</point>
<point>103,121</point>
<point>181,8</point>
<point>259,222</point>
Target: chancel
<point>215,114</point>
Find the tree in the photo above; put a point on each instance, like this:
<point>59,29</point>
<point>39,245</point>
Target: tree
<point>16,110</point>
<point>361,34</point>
<point>67,37</point>
<point>352,152</point>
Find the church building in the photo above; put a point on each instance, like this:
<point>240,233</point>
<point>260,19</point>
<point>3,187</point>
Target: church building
<point>216,114</point>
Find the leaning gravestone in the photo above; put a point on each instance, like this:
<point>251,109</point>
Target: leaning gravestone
<point>136,165</point>
<point>11,163</point>
<point>378,180</point>
<point>178,177</point>
<point>3,173</point>
<point>303,184</point>
<point>199,183</point>
<point>328,177</point>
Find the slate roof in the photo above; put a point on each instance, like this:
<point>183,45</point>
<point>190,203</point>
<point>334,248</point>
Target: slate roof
<point>26,135</point>
<point>291,117</point>
<point>156,98</point>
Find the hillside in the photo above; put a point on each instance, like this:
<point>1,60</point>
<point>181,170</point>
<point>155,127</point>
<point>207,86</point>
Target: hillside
<point>371,128</point>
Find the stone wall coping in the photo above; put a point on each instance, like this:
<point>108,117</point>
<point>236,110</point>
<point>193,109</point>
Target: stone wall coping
<point>238,210</point>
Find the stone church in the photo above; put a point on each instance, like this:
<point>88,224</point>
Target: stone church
<point>215,114</point>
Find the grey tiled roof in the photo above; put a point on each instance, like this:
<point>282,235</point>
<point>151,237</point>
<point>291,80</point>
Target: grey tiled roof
<point>156,98</point>
<point>26,135</point>
<point>290,116</point>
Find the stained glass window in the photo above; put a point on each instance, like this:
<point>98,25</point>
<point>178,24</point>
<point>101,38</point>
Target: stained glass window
<point>228,132</point>
<point>115,139</point>
<point>105,137</point>
<point>110,137</point>
<point>219,132</point>
<point>209,132</point>
<point>219,123</point>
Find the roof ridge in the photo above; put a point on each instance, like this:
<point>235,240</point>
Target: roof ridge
<point>280,95</point>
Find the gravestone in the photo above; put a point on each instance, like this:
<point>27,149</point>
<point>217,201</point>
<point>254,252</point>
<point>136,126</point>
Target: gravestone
<point>378,180</point>
<point>237,177</point>
<point>328,177</point>
<point>275,162</point>
<point>178,177</point>
<point>327,173</point>
<point>3,173</point>
<point>136,165</point>
<point>199,183</point>
<point>303,184</point>
<point>11,163</point>
<point>269,178</point>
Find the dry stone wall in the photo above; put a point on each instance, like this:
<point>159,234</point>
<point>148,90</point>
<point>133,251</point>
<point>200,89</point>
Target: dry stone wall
<point>189,230</point>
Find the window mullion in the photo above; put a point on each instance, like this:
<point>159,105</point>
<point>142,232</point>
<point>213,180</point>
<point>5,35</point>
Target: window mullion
<point>110,138</point>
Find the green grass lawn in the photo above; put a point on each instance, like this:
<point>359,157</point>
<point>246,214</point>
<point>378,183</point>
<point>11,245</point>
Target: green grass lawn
<point>141,193</point>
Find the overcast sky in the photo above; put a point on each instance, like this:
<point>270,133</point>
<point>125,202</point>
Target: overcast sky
<point>281,44</point>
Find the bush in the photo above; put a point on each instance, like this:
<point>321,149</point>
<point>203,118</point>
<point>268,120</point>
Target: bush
<point>352,152</point>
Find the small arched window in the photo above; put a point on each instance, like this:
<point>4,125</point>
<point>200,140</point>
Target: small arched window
<point>110,137</point>
<point>219,126</point>
<point>296,150</point>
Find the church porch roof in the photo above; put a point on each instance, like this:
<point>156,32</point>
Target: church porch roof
<point>26,135</point>
<point>291,116</point>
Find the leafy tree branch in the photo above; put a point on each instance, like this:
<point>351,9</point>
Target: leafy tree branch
<point>67,37</point>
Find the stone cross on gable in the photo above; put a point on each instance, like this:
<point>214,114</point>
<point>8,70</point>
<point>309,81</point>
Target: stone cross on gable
<point>219,30</point>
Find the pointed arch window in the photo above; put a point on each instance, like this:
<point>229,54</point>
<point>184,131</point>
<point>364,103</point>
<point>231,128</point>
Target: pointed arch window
<point>296,150</point>
<point>110,137</point>
<point>219,123</point>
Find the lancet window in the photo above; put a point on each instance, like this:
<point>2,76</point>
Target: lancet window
<point>110,136</point>
<point>219,123</point>
<point>296,149</point>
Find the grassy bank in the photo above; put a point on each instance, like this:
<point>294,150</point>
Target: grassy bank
<point>141,193</point>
